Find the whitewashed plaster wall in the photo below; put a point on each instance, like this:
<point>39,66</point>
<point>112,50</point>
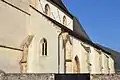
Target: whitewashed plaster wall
<point>97,61</point>
<point>13,24</point>
<point>76,52</point>
<point>85,57</point>
<point>56,13</point>
<point>40,27</point>
<point>9,60</point>
<point>62,58</point>
<point>111,65</point>
<point>104,63</point>
<point>14,20</point>
<point>92,56</point>
<point>100,67</point>
<point>81,53</point>
<point>21,4</point>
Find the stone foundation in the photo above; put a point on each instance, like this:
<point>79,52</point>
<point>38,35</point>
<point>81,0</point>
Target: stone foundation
<point>105,77</point>
<point>42,76</point>
<point>18,76</point>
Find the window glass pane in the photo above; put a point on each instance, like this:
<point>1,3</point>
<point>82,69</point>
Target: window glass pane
<point>46,48</point>
<point>43,49</point>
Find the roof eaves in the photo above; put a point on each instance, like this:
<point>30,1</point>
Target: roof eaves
<point>108,49</point>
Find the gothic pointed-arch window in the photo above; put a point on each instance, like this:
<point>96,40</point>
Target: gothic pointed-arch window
<point>47,9</point>
<point>77,65</point>
<point>43,44</point>
<point>64,20</point>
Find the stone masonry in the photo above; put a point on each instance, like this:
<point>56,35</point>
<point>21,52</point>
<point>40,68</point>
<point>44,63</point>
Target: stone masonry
<point>19,76</point>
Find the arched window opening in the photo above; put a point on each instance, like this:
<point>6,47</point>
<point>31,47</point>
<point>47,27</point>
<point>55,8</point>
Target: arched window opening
<point>64,20</point>
<point>44,47</point>
<point>77,65</point>
<point>47,9</point>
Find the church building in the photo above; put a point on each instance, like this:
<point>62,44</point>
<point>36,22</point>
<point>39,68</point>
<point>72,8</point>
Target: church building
<point>42,36</point>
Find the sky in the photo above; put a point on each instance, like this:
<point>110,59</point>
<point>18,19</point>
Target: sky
<point>100,19</point>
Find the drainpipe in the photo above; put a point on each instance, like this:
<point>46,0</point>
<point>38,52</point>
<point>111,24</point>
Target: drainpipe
<point>64,60</point>
<point>59,52</point>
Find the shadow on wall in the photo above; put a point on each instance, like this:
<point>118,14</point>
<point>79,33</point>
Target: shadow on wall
<point>116,58</point>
